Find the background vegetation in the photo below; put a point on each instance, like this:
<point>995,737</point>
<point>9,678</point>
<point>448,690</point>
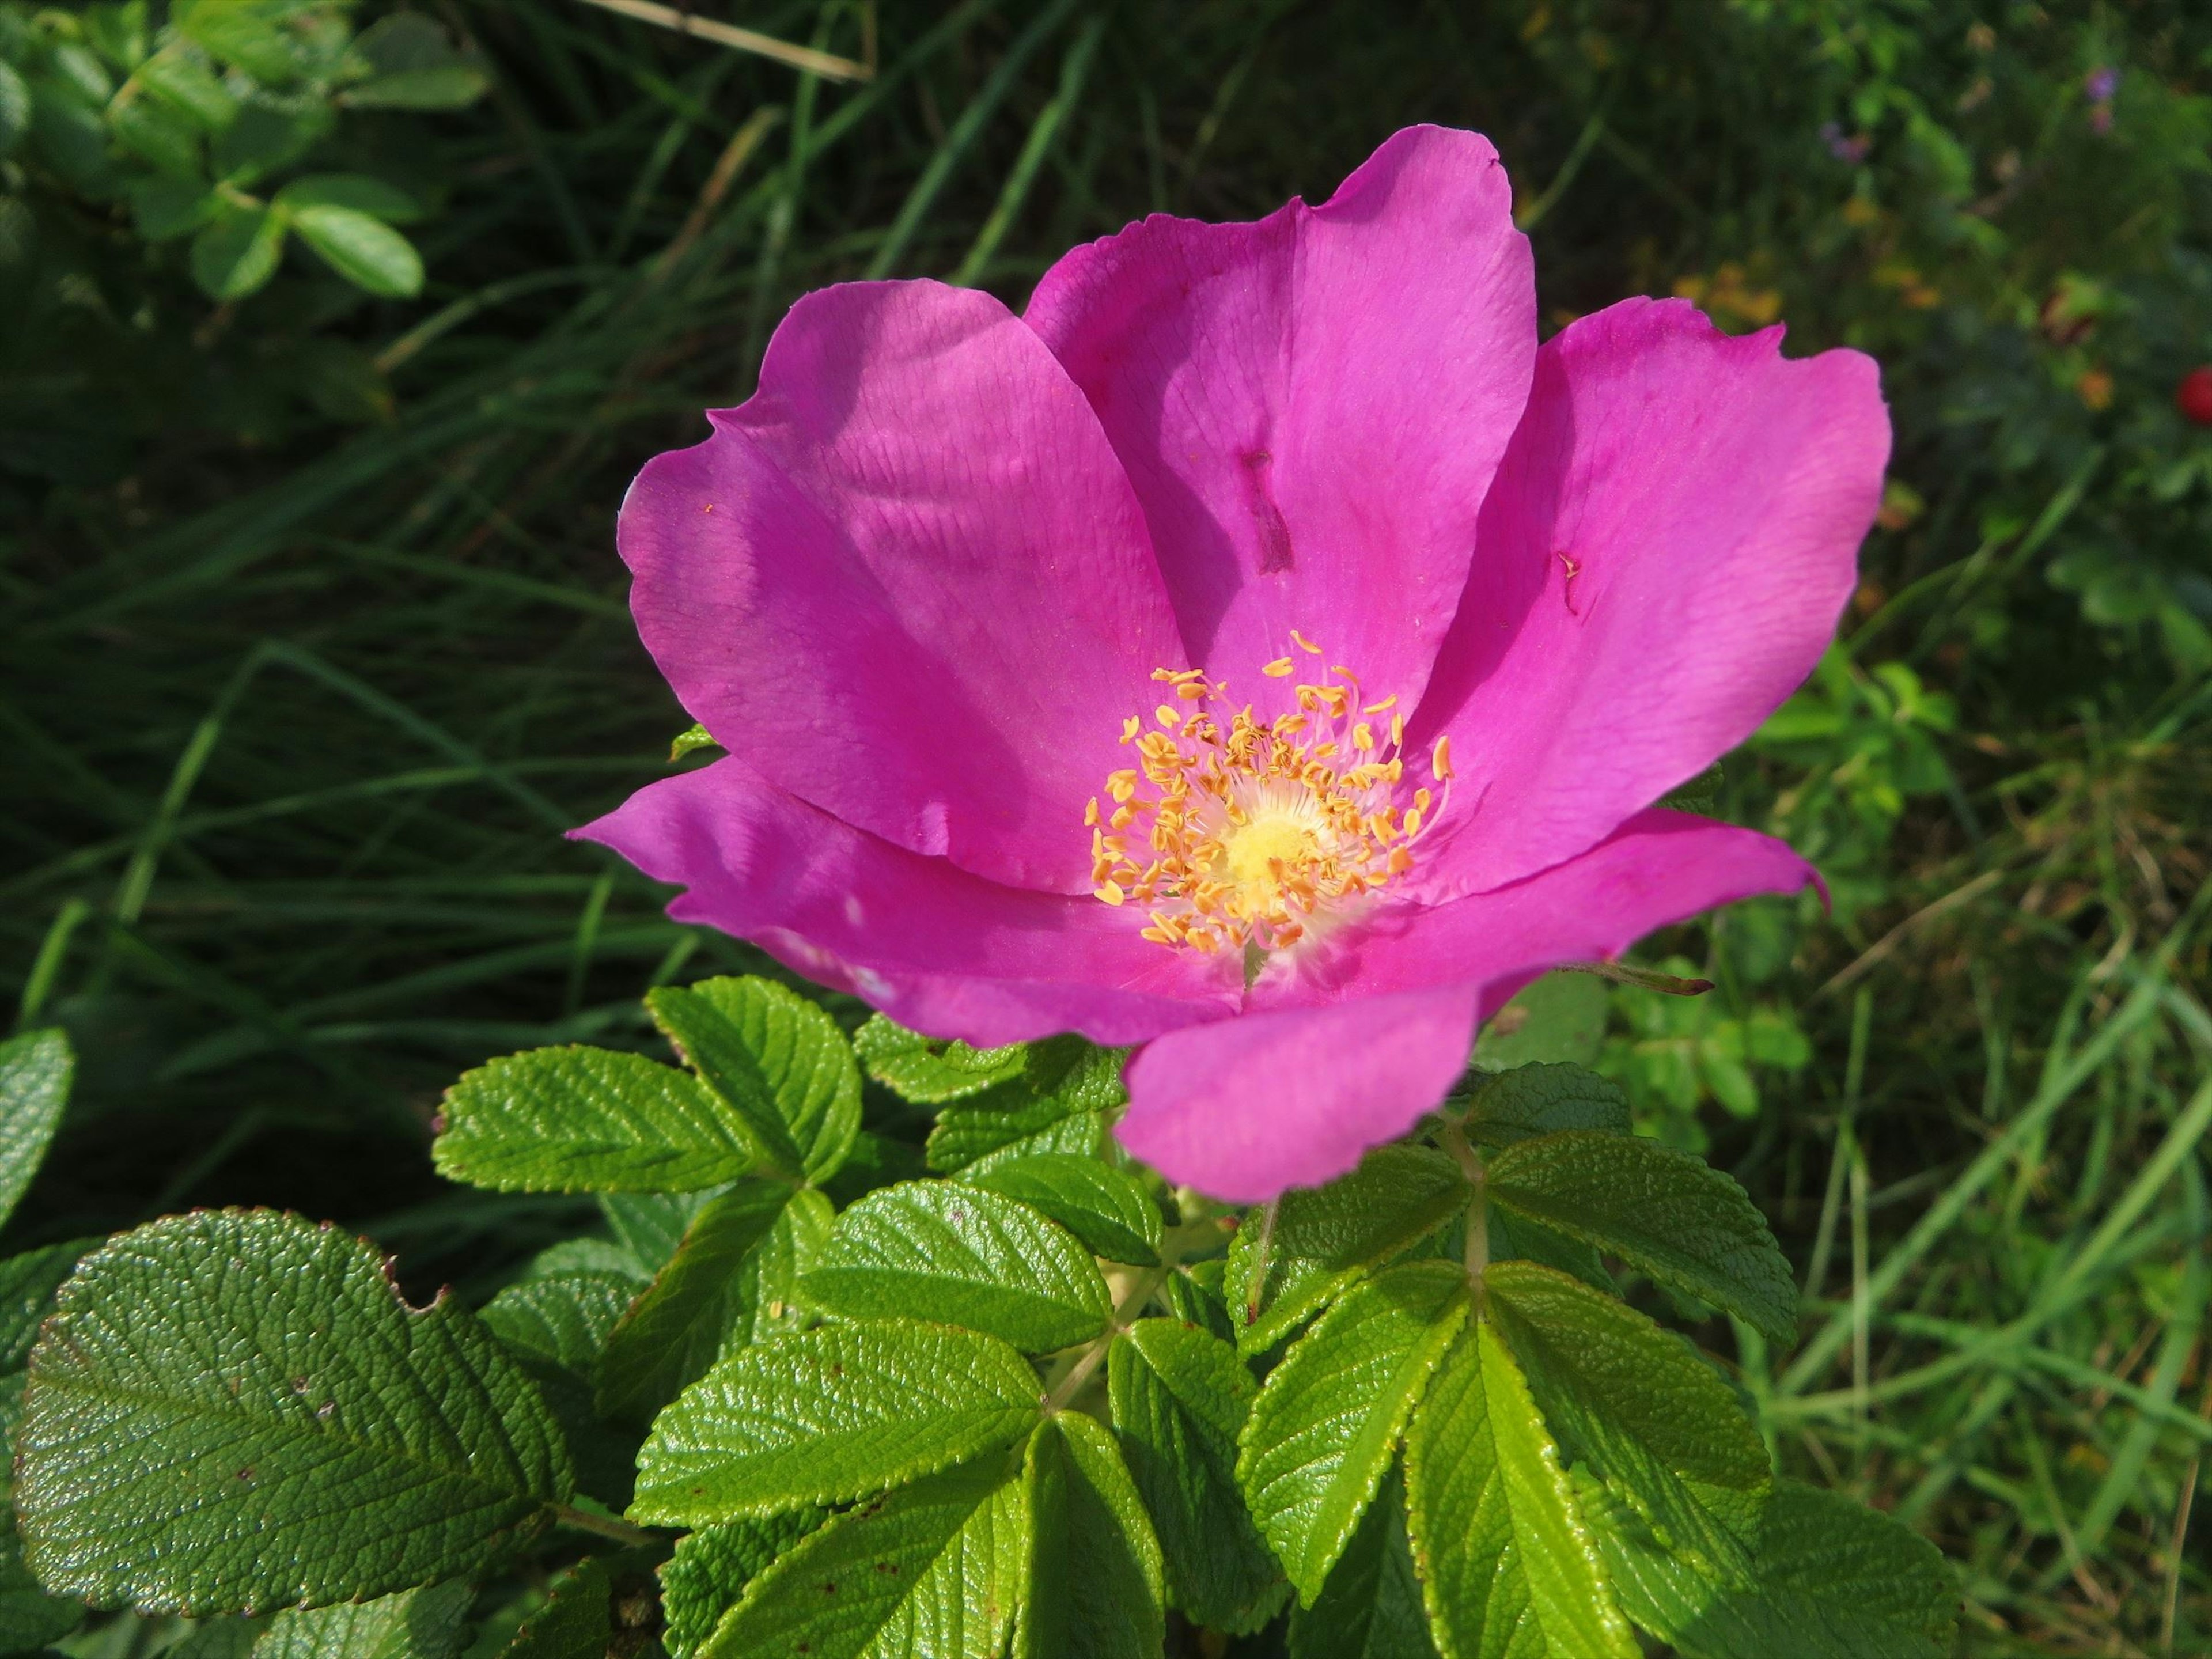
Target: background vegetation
<point>313,641</point>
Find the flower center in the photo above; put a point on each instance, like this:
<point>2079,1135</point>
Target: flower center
<point>1236,832</point>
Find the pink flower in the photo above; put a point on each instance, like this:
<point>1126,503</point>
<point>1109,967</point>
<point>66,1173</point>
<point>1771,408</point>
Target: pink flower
<point>1259,650</point>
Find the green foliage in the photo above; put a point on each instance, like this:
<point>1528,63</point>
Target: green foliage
<point>1289,1259</point>
<point>1107,1209</point>
<point>1688,1225</point>
<point>1542,1100</point>
<point>35,1086</point>
<point>829,1416</point>
<point>576,1621</point>
<point>776,1061</point>
<point>1095,1588</point>
<point>589,1119</point>
<point>416,1624</point>
<point>1370,1607</point>
<point>881,1429</point>
<point>1323,1428</point>
<point>936,1568</point>
<point>1179,1398</point>
<point>1828,1579</point>
<point>964,1256</point>
<point>209,1380</point>
<point>1505,1557</point>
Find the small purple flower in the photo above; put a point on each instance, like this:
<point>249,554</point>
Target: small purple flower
<point>1258,650</point>
<point>2101,84</point>
<point>1850,150</point>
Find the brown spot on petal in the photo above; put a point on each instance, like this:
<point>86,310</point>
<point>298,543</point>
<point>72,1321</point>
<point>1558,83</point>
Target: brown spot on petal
<point>1276,553</point>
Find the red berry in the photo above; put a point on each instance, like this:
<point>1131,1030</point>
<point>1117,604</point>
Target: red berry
<point>2193,397</point>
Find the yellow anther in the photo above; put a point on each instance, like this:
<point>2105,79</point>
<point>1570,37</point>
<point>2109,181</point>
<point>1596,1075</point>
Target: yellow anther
<point>1304,643</point>
<point>1440,759</point>
<point>1246,834</point>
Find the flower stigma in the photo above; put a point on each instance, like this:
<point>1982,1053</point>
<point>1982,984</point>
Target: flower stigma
<point>1233,832</point>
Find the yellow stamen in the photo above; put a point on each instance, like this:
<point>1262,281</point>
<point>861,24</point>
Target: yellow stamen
<point>1440,761</point>
<point>1250,833</point>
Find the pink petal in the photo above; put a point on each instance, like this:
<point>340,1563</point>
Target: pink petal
<point>1350,1048</point>
<point>1711,498</point>
<point>936,948</point>
<point>1243,1109</point>
<point>1657,869</point>
<point>1310,407</point>
<point>908,581</point>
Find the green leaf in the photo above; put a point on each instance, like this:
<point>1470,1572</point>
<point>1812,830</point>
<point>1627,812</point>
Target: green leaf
<point>165,209</point>
<point>1094,1587</point>
<point>365,251</point>
<point>1057,1101</point>
<point>576,1120</point>
<point>1637,1403</point>
<point>697,737</point>
<point>227,1638</point>
<point>412,64</point>
<point>15,108</point>
<point>1506,1561</point>
<point>28,1284</point>
<point>677,1326</point>
<point>29,1618</point>
<point>648,1227</point>
<point>569,1299</point>
<point>1688,1225</point>
<point>778,1060</point>
<point>1323,1428</point>
<point>1179,1398</point>
<point>767,1298</point>
<point>1560,1018</point>
<point>236,254</point>
<point>1193,1294</point>
<point>356,191</point>
<point>416,1624</point>
<point>709,1573</point>
<point>828,1416</point>
<point>577,1622</point>
<point>929,1073</point>
<point>1542,1100</point>
<point>933,1572</point>
<point>1830,1579</point>
<point>1325,1238</point>
<point>556,1325</point>
<point>1370,1607</point>
<point>1107,1209</point>
<point>240,31</point>
<point>1699,794</point>
<point>157,133</point>
<point>184,82</point>
<point>35,1069</point>
<point>152,1473</point>
<point>935,1249</point>
<point>453,86</point>
<point>1516,1238</point>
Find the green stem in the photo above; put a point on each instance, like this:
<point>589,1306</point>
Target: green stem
<point>607,1526</point>
<point>1454,1140</point>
